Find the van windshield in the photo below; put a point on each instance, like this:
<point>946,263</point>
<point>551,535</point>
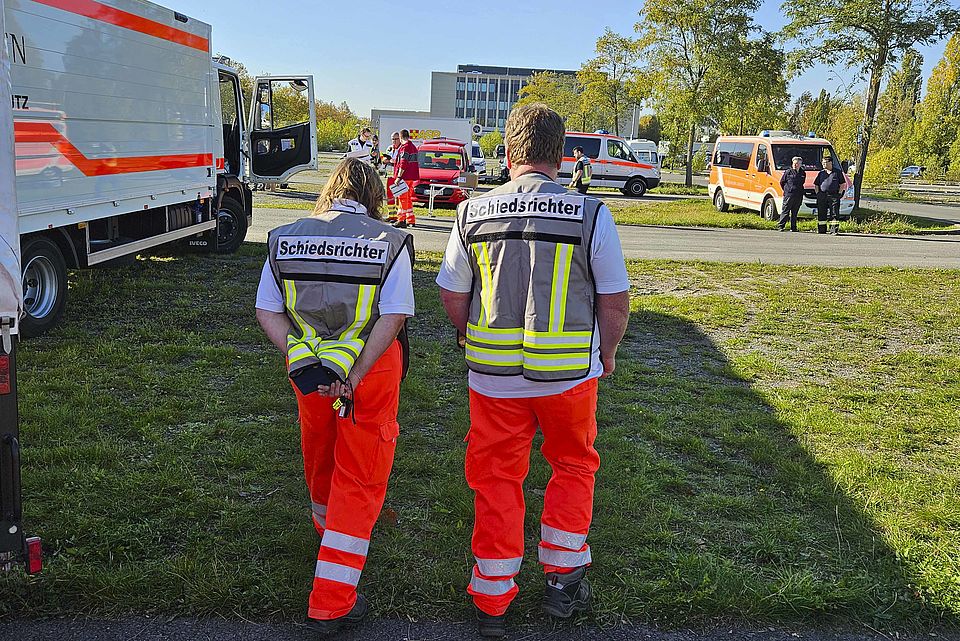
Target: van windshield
<point>812,156</point>
<point>447,160</point>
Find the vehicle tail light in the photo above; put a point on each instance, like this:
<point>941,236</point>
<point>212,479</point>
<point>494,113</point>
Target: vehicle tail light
<point>34,555</point>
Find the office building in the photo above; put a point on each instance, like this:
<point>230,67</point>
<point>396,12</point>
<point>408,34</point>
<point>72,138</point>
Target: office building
<point>480,93</point>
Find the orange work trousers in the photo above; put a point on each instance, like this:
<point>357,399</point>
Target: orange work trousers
<point>346,467</point>
<point>497,461</point>
<point>405,206</point>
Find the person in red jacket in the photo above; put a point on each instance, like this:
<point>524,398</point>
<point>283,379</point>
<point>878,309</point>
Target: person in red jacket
<point>406,169</point>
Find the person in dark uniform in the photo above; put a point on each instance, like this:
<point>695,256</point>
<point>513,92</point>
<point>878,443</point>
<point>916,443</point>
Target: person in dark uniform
<point>792,182</point>
<point>829,184</point>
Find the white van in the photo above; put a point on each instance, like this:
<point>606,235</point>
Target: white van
<point>614,163</point>
<point>645,150</point>
<point>478,160</point>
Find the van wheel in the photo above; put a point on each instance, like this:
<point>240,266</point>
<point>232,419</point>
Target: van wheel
<point>719,201</point>
<point>44,286</point>
<point>770,209</point>
<point>636,188</point>
<point>231,226</point>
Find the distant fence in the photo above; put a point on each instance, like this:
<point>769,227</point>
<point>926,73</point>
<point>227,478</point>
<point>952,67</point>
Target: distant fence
<point>936,188</point>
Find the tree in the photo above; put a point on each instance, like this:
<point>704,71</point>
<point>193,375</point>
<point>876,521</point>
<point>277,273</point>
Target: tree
<point>489,142</point>
<point>871,35</point>
<point>898,103</point>
<point>648,128</point>
<point>607,78</point>
<point>938,123</point>
<point>756,97</point>
<point>564,95</point>
<point>691,50</point>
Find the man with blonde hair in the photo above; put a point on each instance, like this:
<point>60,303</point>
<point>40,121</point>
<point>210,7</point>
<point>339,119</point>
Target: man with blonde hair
<point>534,277</point>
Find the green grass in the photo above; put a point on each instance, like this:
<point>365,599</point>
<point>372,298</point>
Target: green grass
<point>701,213</point>
<point>779,444</point>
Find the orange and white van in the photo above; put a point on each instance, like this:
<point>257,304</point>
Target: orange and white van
<point>745,172</point>
<point>614,163</point>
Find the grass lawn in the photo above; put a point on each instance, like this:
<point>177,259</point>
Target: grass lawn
<point>779,444</point>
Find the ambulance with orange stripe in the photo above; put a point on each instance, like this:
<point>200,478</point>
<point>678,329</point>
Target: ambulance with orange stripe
<point>129,135</point>
<point>614,163</point>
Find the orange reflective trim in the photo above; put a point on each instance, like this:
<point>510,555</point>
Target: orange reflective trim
<point>44,132</point>
<point>133,22</point>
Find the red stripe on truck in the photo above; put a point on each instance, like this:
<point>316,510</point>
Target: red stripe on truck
<point>624,163</point>
<point>32,132</point>
<point>133,22</point>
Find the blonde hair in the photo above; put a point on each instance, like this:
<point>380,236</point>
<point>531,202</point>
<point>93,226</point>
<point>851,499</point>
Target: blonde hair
<point>534,135</point>
<point>354,180</point>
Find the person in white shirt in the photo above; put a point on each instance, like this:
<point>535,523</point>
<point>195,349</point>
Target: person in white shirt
<point>334,296</point>
<point>361,147</point>
<point>534,277</point>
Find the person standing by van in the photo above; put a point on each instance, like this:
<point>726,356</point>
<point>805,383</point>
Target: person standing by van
<point>828,184</point>
<point>792,182</point>
<point>582,171</point>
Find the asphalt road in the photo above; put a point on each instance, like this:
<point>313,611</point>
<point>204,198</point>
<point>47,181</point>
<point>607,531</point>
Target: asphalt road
<point>722,245</point>
<point>143,629</point>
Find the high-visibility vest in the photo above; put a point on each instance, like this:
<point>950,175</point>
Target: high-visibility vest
<point>532,311</point>
<point>330,270</point>
<point>587,171</point>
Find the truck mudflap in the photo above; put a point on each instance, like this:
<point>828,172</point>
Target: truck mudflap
<point>16,547</point>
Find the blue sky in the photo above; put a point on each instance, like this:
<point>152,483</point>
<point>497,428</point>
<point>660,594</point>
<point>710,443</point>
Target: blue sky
<point>355,52</point>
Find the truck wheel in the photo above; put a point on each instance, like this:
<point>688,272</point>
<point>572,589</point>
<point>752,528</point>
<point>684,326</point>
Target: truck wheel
<point>770,209</point>
<point>44,286</point>
<point>719,201</point>
<point>231,226</point>
<point>636,187</point>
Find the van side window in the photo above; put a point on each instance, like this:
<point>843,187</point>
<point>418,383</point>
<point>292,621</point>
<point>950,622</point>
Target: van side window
<point>721,157</point>
<point>740,156</point>
<point>761,162</point>
<point>591,146</point>
<point>616,150</point>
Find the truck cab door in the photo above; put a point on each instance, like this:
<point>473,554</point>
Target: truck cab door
<point>282,128</point>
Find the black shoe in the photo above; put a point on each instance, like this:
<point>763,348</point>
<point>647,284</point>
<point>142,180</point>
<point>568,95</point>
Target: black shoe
<point>352,618</point>
<point>567,594</point>
<point>402,224</point>
<point>490,626</point>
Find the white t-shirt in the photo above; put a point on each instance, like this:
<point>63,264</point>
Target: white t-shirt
<point>610,275</point>
<point>396,294</point>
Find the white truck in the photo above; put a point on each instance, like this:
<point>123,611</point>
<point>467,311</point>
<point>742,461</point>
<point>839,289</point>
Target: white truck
<point>129,135</point>
<point>421,128</point>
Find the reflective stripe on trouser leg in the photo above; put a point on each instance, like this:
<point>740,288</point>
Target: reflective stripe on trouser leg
<point>569,425</point>
<point>319,515</point>
<point>497,461</point>
<point>363,455</point>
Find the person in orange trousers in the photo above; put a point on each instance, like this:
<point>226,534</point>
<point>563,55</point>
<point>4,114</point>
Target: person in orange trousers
<point>340,324</point>
<point>407,169</point>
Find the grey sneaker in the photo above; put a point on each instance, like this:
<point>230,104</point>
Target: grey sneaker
<point>567,594</point>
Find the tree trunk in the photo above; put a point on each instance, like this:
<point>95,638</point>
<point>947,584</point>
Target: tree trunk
<point>693,134</point>
<point>873,95</point>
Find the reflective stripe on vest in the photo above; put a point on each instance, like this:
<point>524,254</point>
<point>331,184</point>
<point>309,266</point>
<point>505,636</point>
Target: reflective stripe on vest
<point>587,171</point>
<point>532,311</point>
<point>330,269</point>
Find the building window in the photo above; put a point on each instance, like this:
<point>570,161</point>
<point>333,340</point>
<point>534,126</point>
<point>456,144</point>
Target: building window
<point>471,86</point>
<point>460,103</point>
<point>483,85</point>
<point>460,84</point>
<point>501,122</point>
<point>503,105</point>
<point>459,113</point>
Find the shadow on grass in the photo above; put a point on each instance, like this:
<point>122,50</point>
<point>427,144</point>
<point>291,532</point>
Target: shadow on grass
<point>709,507</point>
